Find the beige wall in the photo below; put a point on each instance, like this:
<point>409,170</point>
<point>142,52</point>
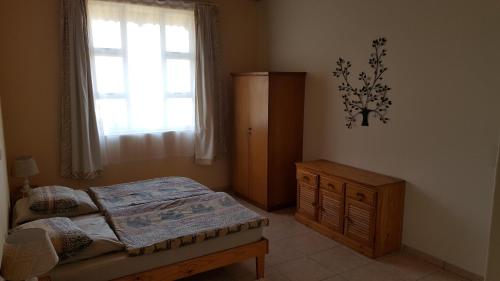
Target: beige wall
<point>30,83</point>
<point>493,272</point>
<point>443,59</point>
<point>4,191</point>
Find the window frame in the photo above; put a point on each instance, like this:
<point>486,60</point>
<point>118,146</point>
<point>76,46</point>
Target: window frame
<point>122,53</point>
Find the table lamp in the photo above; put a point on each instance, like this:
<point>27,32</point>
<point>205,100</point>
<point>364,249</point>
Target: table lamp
<point>24,167</point>
<point>28,253</point>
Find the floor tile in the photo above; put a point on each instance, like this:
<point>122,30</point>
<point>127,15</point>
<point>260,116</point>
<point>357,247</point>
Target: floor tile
<point>279,230</point>
<point>340,259</point>
<point>272,274</point>
<point>442,276</point>
<point>278,254</point>
<point>371,272</point>
<point>306,243</point>
<point>303,269</point>
<point>408,266</point>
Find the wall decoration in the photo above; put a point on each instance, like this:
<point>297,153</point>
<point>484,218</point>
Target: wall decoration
<point>372,98</point>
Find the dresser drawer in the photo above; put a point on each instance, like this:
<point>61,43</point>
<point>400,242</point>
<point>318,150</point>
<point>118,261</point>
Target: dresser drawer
<point>332,185</point>
<point>307,178</point>
<point>361,194</point>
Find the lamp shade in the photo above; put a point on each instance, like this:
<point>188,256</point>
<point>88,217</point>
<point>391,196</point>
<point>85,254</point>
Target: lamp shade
<point>28,253</point>
<point>24,166</point>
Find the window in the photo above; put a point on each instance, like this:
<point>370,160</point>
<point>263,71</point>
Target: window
<point>143,61</point>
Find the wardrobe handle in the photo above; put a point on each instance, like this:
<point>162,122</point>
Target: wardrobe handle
<point>249,130</point>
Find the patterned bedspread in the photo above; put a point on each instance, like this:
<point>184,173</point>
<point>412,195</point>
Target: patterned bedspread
<point>157,226</point>
<point>147,191</point>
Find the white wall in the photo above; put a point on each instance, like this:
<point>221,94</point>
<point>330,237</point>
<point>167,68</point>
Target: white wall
<point>493,273</point>
<point>443,59</point>
<point>4,191</point>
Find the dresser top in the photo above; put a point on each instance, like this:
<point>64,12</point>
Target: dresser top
<point>348,172</point>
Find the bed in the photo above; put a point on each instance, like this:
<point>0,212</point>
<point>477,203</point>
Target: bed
<point>170,228</point>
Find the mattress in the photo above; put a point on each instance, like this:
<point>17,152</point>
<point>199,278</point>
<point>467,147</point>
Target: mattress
<point>160,226</point>
<point>115,265</point>
<point>146,191</point>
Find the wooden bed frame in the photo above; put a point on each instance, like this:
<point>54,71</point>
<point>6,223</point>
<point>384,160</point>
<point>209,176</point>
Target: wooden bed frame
<point>257,250</point>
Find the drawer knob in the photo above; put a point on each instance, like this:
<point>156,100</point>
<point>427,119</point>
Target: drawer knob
<point>305,178</point>
<point>331,185</point>
<point>360,196</point>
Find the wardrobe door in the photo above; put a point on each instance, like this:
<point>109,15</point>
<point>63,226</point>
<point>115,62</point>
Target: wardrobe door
<point>258,138</point>
<point>241,132</point>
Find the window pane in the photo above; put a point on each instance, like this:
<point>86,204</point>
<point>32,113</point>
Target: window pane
<point>109,75</point>
<point>145,77</point>
<point>146,114</point>
<point>179,113</point>
<point>106,34</point>
<point>144,59</point>
<point>177,39</point>
<point>112,115</point>
<point>178,76</point>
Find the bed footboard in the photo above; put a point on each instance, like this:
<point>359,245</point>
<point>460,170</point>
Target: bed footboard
<point>257,250</point>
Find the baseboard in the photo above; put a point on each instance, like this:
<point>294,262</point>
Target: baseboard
<point>442,264</point>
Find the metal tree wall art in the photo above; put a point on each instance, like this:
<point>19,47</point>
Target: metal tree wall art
<point>372,97</point>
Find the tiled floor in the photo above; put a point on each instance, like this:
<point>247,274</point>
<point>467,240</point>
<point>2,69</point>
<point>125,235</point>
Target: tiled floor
<point>298,253</point>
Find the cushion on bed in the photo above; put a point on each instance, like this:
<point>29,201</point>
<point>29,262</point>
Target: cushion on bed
<point>64,234</point>
<point>22,212</point>
<point>104,239</point>
<point>52,198</point>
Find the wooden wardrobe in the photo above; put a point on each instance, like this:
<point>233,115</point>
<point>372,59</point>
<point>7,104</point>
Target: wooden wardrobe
<point>268,125</point>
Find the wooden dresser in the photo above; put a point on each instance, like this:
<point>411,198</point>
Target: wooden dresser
<point>268,113</point>
<point>361,209</point>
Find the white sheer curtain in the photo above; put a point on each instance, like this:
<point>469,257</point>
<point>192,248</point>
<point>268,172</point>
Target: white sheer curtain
<point>143,69</point>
